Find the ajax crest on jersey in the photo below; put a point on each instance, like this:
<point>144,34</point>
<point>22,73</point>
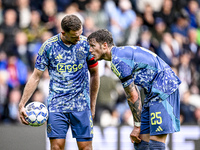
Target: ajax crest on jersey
<point>37,113</point>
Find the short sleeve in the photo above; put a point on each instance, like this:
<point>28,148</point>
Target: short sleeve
<point>42,59</point>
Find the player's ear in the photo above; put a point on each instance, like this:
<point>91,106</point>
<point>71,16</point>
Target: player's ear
<point>63,33</point>
<point>105,45</point>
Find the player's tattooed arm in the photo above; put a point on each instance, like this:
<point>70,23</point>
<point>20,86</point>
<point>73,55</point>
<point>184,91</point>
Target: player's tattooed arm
<point>134,101</point>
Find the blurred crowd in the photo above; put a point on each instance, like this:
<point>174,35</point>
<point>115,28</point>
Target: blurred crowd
<point>170,28</point>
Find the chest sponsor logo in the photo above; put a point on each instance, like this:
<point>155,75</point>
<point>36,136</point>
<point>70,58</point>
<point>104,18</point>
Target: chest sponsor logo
<point>62,67</point>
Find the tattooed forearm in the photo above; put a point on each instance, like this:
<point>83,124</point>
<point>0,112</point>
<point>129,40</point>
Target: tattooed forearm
<point>136,110</point>
<point>134,101</point>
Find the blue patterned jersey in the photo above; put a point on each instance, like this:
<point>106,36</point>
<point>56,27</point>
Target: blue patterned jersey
<point>68,71</point>
<point>146,69</point>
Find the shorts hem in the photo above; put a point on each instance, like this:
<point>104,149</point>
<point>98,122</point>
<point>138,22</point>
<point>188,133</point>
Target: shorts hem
<point>57,137</point>
<point>83,139</point>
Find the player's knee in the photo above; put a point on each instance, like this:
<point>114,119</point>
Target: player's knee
<point>56,147</point>
<point>88,147</point>
<point>85,145</point>
<point>155,145</point>
<point>143,145</point>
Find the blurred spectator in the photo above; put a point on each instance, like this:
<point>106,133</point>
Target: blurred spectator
<point>4,90</point>
<point>198,28</point>
<point>180,4</point>
<point>9,28</point>
<point>159,29</point>
<point>11,107</point>
<point>133,33</point>
<point>36,4</point>
<point>194,97</point>
<point>1,41</point>
<point>169,50</point>
<point>146,39</point>
<point>186,72</point>
<point>197,115</point>
<point>17,71</point>
<point>24,13</point>
<point>9,4</point>
<point>121,18</point>
<point>81,4</point>
<point>106,98</point>
<point>22,49</point>
<point>89,26</point>
<point>167,13</point>
<point>193,48</point>
<point>192,9</point>
<point>36,27</point>
<point>49,15</point>
<point>1,12</point>
<point>97,13</point>
<point>148,16</point>
<point>187,109</point>
<point>181,25</point>
<point>73,8</point>
<point>62,4</point>
<point>3,60</point>
<point>156,5</point>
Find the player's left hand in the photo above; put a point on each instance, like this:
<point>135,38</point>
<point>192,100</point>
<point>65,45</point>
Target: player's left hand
<point>134,136</point>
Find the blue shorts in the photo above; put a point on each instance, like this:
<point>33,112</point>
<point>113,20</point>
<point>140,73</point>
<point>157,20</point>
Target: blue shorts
<point>161,116</point>
<point>81,125</point>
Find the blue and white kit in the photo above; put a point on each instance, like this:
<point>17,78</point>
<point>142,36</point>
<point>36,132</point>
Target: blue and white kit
<point>68,70</point>
<point>161,109</point>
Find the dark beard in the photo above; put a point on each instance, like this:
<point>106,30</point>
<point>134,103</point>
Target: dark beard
<point>102,56</point>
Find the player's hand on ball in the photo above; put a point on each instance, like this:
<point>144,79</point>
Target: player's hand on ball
<point>134,136</point>
<point>23,115</point>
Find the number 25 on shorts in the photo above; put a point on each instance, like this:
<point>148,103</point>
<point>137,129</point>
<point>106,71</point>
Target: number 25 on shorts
<point>156,118</point>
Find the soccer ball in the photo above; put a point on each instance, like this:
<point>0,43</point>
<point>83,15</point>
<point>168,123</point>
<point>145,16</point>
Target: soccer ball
<point>37,113</point>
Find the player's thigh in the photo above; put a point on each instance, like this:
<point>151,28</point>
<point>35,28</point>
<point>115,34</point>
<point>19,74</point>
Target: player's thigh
<point>164,116</point>
<point>57,144</point>
<point>57,125</point>
<point>82,125</point>
<point>85,145</point>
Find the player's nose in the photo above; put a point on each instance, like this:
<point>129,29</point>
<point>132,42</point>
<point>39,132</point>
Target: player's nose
<point>79,38</point>
<point>90,50</point>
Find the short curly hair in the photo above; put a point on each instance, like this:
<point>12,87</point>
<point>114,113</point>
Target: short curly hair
<point>71,22</point>
<point>101,36</point>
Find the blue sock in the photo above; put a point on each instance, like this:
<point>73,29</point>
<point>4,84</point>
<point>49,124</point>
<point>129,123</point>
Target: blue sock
<point>141,146</point>
<point>155,145</point>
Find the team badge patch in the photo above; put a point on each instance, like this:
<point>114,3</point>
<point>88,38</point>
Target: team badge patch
<point>80,55</point>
